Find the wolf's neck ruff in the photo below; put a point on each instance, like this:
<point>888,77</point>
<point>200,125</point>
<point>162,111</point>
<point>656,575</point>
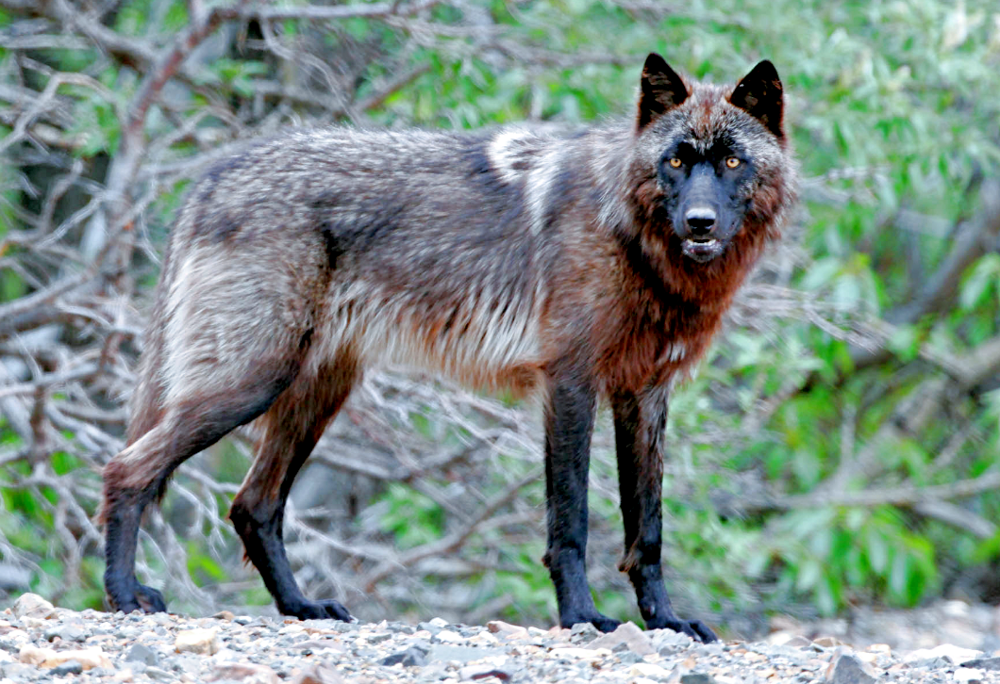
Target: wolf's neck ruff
<point>588,263</point>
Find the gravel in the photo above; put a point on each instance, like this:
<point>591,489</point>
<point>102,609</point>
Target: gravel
<point>91,646</point>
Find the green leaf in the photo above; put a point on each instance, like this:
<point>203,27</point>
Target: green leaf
<point>985,276</point>
<point>877,550</point>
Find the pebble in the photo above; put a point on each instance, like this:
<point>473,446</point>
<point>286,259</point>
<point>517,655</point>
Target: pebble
<point>246,672</point>
<point>697,678</point>
<point>983,663</point>
<point>847,669</point>
<point>32,606</point>
<point>967,675</point>
<point>91,646</point>
<point>626,637</point>
<point>414,656</point>
<point>203,641</point>
<point>319,673</point>
<point>142,654</point>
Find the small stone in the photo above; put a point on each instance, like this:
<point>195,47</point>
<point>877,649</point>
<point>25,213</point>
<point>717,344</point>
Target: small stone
<point>203,641</point>
<point>429,627</point>
<point>846,669</point>
<point>983,663</point>
<point>224,615</point>
<point>937,663</point>
<point>87,658</point>
<point>414,656</point>
<point>30,605</point>
<point>648,670</point>
<point>781,637</point>
<point>227,655</point>
<point>66,633</point>
<point>141,653</point>
<point>32,655</point>
<point>968,675</point>
<point>446,636</point>
<point>954,654</point>
<point>484,639</point>
<point>499,626</point>
<point>570,653</point>
<point>69,667</point>
<point>475,672</point>
<point>159,675</point>
<point>667,642</point>
<point>628,634</point>
<point>246,672</point>
<point>583,633</point>
<point>697,678</point>
<point>440,623</point>
<point>828,642</point>
<point>629,658</point>
<point>318,673</point>
<point>462,654</point>
<point>379,638</point>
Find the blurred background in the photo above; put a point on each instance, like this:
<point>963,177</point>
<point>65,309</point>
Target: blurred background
<point>837,449</point>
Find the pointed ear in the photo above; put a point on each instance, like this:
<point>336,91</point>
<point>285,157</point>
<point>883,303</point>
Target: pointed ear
<point>662,90</point>
<point>760,94</point>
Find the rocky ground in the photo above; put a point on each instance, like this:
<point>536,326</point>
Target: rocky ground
<point>41,643</point>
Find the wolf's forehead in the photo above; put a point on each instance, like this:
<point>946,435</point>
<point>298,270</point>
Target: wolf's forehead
<point>708,120</point>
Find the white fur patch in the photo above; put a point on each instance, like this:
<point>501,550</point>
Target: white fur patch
<point>508,149</point>
<point>538,185</point>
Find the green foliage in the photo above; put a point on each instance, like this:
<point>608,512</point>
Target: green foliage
<point>838,555</point>
<point>413,518</point>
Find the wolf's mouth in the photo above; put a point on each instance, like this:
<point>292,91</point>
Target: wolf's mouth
<point>702,250</point>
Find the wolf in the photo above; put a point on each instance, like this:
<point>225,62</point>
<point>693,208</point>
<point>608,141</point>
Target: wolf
<point>590,265</point>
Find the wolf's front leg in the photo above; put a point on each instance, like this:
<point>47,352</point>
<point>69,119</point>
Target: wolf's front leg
<point>639,425</point>
<point>568,426</point>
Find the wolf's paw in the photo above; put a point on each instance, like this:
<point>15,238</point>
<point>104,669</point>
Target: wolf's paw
<point>137,597</point>
<point>602,622</point>
<point>318,610</point>
<point>696,629</point>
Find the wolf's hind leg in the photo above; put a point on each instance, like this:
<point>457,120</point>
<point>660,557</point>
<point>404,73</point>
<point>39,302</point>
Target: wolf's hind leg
<point>289,431</point>
<point>139,474</point>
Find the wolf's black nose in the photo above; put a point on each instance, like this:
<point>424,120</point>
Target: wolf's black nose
<point>700,220</point>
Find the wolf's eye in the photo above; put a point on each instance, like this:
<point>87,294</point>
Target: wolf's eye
<point>733,162</point>
<point>675,163</point>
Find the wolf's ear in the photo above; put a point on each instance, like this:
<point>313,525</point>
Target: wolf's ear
<point>760,94</point>
<point>662,89</point>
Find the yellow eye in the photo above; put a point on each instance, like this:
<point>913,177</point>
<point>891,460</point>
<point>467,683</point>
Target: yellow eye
<point>675,162</point>
<point>733,162</point>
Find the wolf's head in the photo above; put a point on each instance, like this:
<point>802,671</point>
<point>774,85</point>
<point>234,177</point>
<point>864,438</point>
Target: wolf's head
<point>713,160</point>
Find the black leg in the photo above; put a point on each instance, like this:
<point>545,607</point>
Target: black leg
<point>123,590</point>
<point>290,430</point>
<point>260,525</point>
<point>639,426</point>
<point>569,424</point>
<point>138,475</point>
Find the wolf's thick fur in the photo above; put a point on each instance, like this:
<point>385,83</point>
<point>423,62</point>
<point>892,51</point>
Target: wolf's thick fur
<point>596,263</point>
